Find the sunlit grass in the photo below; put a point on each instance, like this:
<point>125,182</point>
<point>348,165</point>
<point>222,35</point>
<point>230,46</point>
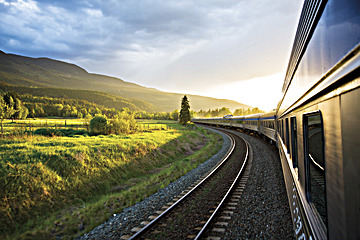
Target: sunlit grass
<point>89,178</point>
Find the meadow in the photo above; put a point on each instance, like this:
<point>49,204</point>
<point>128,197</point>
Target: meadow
<point>63,186</point>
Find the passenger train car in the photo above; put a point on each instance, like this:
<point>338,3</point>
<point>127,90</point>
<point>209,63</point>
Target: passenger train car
<point>317,122</point>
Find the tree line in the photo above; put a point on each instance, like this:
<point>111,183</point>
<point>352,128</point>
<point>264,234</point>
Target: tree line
<point>15,106</point>
<point>225,111</point>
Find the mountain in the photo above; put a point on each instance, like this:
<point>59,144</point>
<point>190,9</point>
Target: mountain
<point>48,73</point>
<point>100,98</point>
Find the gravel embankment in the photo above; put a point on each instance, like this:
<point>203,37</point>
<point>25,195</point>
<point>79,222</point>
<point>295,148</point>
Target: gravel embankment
<point>132,216</point>
<point>263,211</point>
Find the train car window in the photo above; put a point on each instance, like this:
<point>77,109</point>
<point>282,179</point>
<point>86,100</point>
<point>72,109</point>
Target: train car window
<point>287,135</point>
<point>315,163</point>
<point>293,142</point>
<point>282,129</point>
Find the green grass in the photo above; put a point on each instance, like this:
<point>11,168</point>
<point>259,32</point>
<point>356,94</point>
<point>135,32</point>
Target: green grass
<point>18,127</point>
<point>65,186</point>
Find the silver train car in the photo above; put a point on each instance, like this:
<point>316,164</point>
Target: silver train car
<point>316,125</point>
<point>263,123</point>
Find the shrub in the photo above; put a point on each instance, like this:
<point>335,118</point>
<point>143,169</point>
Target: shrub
<point>98,125</point>
<point>123,122</point>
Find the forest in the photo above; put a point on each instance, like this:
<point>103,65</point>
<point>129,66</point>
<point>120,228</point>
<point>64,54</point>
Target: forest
<point>226,111</point>
<point>32,106</point>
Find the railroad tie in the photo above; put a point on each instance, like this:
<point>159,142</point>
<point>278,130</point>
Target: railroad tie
<point>228,212</point>
<point>225,217</point>
<point>125,237</point>
<point>213,238</point>
<point>219,230</point>
<point>222,223</point>
<point>135,229</point>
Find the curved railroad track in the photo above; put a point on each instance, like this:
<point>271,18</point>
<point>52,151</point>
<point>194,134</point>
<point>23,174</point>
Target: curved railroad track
<point>197,212</point>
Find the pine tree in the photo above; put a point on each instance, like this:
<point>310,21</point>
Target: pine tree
<point>185,111</point>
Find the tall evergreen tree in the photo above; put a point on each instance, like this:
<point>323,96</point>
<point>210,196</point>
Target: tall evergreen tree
<point>185,111</point>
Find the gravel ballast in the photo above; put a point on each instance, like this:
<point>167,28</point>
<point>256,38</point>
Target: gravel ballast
<point>121,224</point>
<point>263,211</point>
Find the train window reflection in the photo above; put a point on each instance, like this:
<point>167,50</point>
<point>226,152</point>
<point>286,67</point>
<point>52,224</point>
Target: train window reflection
<point>287,135</point>
<point>293,142</point>
<point>315,163</point>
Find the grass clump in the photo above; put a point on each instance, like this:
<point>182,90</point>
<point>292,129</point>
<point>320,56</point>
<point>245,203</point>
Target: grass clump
<point>67,132</point>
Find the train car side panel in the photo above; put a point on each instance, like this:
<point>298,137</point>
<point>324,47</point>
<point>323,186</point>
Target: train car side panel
<point>334,168</point>
<point>350,115</point>
<point>299,217</point>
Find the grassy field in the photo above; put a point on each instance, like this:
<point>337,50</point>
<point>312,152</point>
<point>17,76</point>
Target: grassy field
<point>18,127</point>
<point>65,186</point>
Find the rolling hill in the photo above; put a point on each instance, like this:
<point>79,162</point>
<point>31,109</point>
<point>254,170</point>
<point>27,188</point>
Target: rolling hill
<point>100,98</point>
<point>50,74</point>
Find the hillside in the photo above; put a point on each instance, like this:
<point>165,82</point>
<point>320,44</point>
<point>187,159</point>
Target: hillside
<point>49,73</point>
<point>100,98</point>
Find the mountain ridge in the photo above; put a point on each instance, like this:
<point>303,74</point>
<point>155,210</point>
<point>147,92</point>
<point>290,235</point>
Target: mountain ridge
<point>50,73</point>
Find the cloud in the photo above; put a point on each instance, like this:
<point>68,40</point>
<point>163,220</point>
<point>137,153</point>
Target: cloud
<point>173,45</point>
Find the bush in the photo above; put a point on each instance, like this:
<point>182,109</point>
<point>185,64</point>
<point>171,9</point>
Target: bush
<point>123,122</point>
<point>98,125</point>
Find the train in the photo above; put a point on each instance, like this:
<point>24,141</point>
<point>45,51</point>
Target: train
<point>316,124</point>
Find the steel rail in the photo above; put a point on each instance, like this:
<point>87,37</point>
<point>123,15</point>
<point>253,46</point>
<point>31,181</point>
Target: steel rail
<point>158,218</point>
<point>207,224</point>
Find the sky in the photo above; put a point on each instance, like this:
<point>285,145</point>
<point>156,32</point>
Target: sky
<point>229,49</point>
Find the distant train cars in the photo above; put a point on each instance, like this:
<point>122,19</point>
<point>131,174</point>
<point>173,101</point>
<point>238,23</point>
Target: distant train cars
<point>263,123</point>
<point>228,116</point>
<point>316,125</point>
<point>267,125</point>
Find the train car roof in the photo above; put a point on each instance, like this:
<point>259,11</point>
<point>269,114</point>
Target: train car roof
<point>268,115</point>
<point>237,117</point>
<point>252,116</point>
<point>214,118</point>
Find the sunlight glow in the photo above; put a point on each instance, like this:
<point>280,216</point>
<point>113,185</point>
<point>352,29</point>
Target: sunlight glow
<point>261,92</point>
